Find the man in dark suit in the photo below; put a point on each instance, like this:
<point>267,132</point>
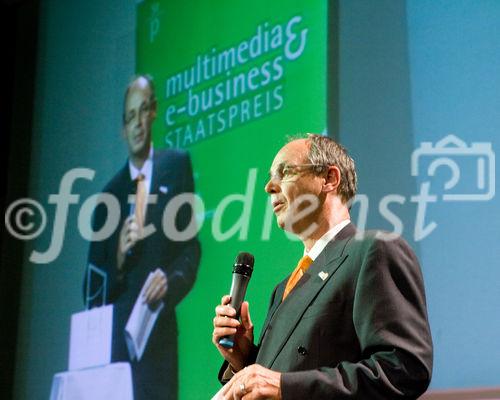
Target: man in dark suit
<point>350,322</point>
<point>147,242</point>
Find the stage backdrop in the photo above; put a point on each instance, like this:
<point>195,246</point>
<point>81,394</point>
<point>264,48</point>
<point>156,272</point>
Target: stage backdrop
<point>409,71</point>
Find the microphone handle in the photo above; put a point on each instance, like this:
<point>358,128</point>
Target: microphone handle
<point>238,291</point>
<point>132,212</point>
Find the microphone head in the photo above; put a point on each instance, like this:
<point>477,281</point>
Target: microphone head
<point>244,264</point>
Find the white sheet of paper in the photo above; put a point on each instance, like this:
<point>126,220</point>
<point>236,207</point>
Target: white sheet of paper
<point>140,324</point>
<point>218,395</point>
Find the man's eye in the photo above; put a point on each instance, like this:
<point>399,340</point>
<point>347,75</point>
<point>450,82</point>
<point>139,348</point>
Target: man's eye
<point>287,170</point>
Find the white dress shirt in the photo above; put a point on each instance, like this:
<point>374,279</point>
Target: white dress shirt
<point>323,240</point>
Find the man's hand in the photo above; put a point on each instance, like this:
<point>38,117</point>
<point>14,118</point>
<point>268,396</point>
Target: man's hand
<point>129,235</point>
<point>157,288</point>
<point>226,324</point>
<point>253,383</point>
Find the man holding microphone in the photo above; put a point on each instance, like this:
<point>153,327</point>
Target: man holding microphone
<point>350,321</point>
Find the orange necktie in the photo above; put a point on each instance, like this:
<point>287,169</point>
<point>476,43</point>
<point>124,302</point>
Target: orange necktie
<point>140,199</point>
<point>303,265</point>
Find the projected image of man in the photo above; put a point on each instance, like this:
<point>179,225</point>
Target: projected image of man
<point>132,252</point>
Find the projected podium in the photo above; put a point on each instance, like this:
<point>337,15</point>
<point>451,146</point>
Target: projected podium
<point>90,375</point>
<point>108,382</point>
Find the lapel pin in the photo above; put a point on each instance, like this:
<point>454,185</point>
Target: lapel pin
<point>323,275</point>
<point>164,189</point>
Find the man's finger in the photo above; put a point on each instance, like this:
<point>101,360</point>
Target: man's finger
<point>157,287</point>
<point>221,321</point>
<point>132,237</point>
<point>155,280</point>
<point>225,389</point>
<point>221,332</point>
<point>161,293</point>
<point>225,310</point>
<point>246,321</point>
<point>228,388</point>
<point>151,287</point>
<point>126,247</point>
<point>133,228</point>
<point>128,220</point>
<point>147,293</point>
<point>159,277</point>
<point>241,386</point>
<point>154,294</point>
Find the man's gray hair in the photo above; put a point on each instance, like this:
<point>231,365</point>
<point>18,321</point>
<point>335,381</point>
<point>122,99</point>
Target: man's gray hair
<point>326,151</point>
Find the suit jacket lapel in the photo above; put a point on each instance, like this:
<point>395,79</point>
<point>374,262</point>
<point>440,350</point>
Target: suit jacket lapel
<point>160,175</point>
<point>157,174</point>
<point>285,316</point>
<point>275,303</point>
<point>126,187</point>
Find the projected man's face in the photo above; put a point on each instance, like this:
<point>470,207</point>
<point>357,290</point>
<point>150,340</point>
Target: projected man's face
<point>140,112</point>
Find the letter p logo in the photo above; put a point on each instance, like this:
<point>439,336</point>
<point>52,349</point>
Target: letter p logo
<point>154,22</point>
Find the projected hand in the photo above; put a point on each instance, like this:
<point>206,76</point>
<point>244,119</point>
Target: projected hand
<point>156,289</point>
<point>225,324</point>
<point>129,235</point>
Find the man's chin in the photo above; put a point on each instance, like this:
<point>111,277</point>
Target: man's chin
<point>284,224</point>
<point>296,228</point>
<point>280,220</point>
<point>281,223</point>
<point>140,150</point>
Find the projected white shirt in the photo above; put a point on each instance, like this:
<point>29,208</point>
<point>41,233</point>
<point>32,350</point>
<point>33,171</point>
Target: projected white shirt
<point>146,170</point>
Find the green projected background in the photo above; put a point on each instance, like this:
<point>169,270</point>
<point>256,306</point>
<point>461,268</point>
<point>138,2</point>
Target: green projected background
<point>232,80</point>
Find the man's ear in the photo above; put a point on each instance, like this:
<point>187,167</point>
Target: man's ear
<point>332,179</point>
<point>153,109</point>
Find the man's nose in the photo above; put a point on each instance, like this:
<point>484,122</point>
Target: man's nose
<point>272,186</point>
<point>138,121</point>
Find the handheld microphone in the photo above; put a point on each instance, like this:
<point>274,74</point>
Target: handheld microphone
<point>133,192</point>
<point>242,272</point>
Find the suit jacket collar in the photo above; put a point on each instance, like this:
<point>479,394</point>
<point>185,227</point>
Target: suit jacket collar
<point>162,172</point>
<point>296,303</point>
<point>162,175</point>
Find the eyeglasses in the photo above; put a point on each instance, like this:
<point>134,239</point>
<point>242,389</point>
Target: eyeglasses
<point>287,171</point>
<point>144,109</point>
